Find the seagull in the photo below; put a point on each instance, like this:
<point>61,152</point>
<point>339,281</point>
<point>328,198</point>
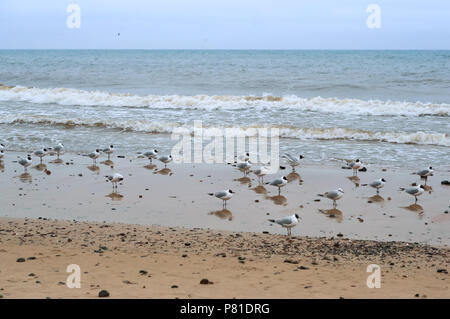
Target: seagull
<point>261,172</point>
<point>355,165</point>
<point>114,179</point>
<point>41,153</point>
<point>334,195</point>
<point>287,222</point>
<point>95,155</point>
<point>109,151</point>
<point>151,154</point>
<point>25,162</point>
<point>245,166</point>
<point>279,182</point>
<point>425,173</point>
<point>223,195</point>
<point>59,148</point>
<point>293,161</point>
<point>165,159</point>
<point>379,183</point>
<point>414,191</point>
<point>244,157</point>
<point>2,146</point>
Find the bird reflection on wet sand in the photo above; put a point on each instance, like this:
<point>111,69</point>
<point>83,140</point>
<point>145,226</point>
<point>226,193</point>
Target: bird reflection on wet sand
<point>278,199</point>
<point>40,167</point>
<point>292,176</point>
<point>333,213</point>
<point>415,208</point>
<point>94,168</point>
<point>259,190</point>
<point>243,180</point>
<point>115,196</point>
<point>25,177</point>
<point>354,179</point>
<point>2,167</point>
<point>57,161</point>
<point>376,199</point>
<point>151,166</point>
<point>164,171</point>
<point>108,163</point>
<point>223,214</point>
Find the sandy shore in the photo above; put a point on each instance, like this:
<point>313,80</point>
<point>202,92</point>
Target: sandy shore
<point>162,230</point>
<point>133,261</point>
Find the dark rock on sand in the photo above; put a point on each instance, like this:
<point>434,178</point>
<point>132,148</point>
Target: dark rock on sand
<point>103,293</point>
<point>204,281</point>
<point>445,182</point>
<point>20,260</point>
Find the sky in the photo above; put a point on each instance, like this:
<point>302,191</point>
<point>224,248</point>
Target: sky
<point>230,24</point>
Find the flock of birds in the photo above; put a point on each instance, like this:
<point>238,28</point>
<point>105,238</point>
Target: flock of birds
<point>245,166</point>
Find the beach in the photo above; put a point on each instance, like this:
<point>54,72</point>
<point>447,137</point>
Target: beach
<point>162,229</point>
<point>132,261</point>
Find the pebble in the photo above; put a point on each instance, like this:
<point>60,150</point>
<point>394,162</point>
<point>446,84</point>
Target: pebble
<point>103,293</point>
<point>20,260</point>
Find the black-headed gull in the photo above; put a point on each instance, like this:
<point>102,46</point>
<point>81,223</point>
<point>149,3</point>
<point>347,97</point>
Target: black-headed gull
<point>425,173</point>
<point>109,151</point>
<point>223,195</point>
<point>379,183</point>
<point>244,167</point>
<point>41,153</point>
<point>114,179</point>
<point>166,159</point>
<point>414,191</point>
<point>261,172</point>
<point>279,182</point>
<point>94,155</point>
<point>25,162</point>
<point>58,149</point>
<point>292,161</point>
<point>355,165</point>
<point>151,154</point>
<point>287,222</point>
<point>334,195</point>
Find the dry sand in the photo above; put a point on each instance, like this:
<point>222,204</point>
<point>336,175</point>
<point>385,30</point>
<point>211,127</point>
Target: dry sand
<point>132,261</point>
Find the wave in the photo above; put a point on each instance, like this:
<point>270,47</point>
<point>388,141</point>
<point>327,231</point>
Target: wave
<point>145,126</point>
<point>75,97</point>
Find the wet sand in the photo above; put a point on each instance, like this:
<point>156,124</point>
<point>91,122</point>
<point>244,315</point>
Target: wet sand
<point>163,221</point>
<point>135,261</point>
<point>178,196</point>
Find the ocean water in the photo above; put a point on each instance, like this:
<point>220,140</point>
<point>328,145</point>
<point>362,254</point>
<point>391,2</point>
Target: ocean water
<point>388,108</point>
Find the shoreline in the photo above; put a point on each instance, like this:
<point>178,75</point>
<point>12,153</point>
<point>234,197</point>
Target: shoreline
<point>135,261</point>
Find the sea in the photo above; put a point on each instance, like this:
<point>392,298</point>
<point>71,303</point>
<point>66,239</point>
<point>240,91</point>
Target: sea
<point>387,108</point>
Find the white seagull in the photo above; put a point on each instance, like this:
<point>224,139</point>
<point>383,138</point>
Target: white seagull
<point>279,182</point>
<point>287,222</point>
<point>293,161</point>
<point>414,191</point>
<point>95,155</point>
<point>334,195</point>
<point>244,166</point>
<point>109,151</point>
<point>114,179</point>
<point>151,154</point>
<point>425,173</point>
<point>223,195</point>
<point>379,183</point>
<point>25,162</point>
<point>355,165</point>
<point>165,159</point>
<point>58,149</point>
<point>2,146</point>
<point>261,172</point>
<point>41,153</point>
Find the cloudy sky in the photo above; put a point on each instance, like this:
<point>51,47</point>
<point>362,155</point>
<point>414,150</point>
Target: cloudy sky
<point>220,24</point>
